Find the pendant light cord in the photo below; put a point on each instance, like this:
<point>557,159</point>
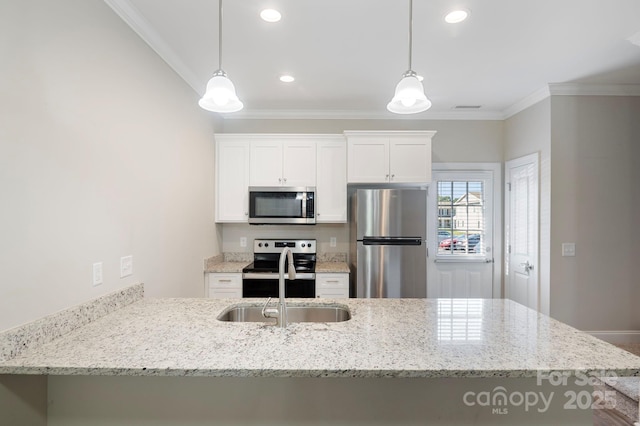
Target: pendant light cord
<point>410,30</point>
<point>220,34</point>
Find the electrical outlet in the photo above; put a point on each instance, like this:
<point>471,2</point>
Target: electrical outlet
<point>243,241</point>
<point>568,249</point>
<point>332,242</point>
<point>126,266</point>
<point>97,273</point>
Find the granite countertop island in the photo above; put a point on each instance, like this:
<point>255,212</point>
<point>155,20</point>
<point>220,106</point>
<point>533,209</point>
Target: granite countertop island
<point>428,338</point>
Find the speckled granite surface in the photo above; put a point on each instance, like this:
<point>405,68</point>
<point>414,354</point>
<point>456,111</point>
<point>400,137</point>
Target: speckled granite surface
<point>227,267</point>
<point>22,338</point>
<point>332,257</point>
<point>384,338</point>
<point>328,267</point>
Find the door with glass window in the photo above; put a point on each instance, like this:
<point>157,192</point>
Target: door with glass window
<point>461,245</point>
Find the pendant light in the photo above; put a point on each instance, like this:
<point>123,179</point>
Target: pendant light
<point>409,97</point>
<point>221,93</point>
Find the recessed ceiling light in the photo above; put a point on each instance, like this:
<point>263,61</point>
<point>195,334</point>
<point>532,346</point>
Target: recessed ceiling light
<point>286,78</point>
<point>270,15</point>
<point>456,16</point>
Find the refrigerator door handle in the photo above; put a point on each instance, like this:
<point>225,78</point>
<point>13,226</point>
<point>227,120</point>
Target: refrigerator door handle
<point>392,241</point>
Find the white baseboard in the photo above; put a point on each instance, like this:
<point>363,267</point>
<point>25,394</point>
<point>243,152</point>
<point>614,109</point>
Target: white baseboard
<point>617,336</point>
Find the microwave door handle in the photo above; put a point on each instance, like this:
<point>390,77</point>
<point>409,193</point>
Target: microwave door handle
<point>304,204</point>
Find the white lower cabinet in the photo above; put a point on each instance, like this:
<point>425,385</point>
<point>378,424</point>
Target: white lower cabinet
<point>224,286</point>
<point>332,286</point>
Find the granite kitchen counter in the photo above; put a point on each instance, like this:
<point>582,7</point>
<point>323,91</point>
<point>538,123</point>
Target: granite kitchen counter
<point>332,267</point>
<point>226,267</point>
<point>428,338</point>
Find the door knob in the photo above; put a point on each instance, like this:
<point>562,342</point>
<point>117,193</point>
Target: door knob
<point>527,266</point>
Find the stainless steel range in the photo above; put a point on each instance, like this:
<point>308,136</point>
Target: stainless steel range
<point>260,278</point>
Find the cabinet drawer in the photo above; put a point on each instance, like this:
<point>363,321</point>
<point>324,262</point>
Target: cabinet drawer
<point>332,286</point>
<point>226,283</point>
<point>225,293</point>
<point>332,280</point>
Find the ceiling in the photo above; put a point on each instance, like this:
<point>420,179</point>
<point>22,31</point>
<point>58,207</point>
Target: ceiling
<point>348,55</point>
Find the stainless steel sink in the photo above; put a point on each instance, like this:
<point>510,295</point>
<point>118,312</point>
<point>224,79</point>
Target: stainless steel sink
<point>295,313</point>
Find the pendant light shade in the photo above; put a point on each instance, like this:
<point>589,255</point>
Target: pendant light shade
<point>221,93</point>
<point>409,97</point>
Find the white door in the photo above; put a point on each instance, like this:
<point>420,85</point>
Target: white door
<point>461,234</point>
<point>521,204</point>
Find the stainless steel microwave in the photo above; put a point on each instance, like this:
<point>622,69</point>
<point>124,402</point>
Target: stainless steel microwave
<point>276,205</point>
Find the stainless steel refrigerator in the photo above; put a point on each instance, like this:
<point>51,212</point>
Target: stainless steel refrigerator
<point>388,253</point>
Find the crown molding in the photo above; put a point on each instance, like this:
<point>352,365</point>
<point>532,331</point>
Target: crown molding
<point>580,89</point>
<point>571,89</point>
<point>132,17</point>
<point>537,96</point>
<point>359,115</point>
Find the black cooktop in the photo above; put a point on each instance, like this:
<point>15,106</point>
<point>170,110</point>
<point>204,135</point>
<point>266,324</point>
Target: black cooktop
<point>302,265</point>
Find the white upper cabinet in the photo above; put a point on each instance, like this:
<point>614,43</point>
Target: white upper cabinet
<point>389,157</point>
<point>266,163</point>
<point>331,182</point>
<point>232,178</point>
<point>282,160</point>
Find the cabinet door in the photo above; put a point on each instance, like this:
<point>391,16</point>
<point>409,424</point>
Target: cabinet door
<point>232,180</point>
<point>332,285</point>
<point>266,163</point>
<point>331,181</point>
<point>409,159</point>
<point>368,159</point>
<point>299,163</point>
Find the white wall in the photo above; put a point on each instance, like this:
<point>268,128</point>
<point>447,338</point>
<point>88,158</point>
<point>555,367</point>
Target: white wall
<point>526,133</point>
<point>595,203</point>
<point>456,141</point>
<point>103,153</point>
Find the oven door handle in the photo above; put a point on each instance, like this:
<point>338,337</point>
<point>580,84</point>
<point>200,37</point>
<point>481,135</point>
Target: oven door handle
<point>275,276</point>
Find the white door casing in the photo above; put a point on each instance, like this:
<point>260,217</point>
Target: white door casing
<point>472,276</point>
<point>521,231</point>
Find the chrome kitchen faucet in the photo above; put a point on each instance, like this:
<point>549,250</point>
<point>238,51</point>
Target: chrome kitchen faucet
<point>280,313</point>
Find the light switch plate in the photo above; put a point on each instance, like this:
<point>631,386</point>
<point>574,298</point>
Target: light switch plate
<point>126,266</point>
<point>97,274</point>
<point>243,241</point>
<point>568,249</point>
<point>332,242</point>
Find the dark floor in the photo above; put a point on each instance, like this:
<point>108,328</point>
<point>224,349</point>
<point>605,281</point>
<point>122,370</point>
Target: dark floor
<point>613,417</point>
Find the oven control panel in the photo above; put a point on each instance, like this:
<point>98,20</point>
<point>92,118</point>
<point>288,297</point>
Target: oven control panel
<point>276,246</point>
